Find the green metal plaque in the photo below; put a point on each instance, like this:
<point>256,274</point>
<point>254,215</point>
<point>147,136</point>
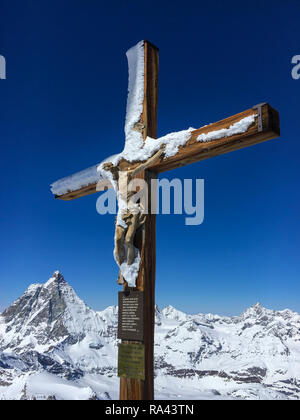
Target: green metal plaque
<point>131,361</point>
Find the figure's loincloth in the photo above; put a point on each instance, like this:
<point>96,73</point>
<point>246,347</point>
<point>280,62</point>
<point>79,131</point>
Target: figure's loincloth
<point>129,217</point>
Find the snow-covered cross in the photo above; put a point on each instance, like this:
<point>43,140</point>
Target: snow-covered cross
<point>255,125</point>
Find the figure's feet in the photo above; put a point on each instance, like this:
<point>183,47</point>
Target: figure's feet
<point>121,279</point>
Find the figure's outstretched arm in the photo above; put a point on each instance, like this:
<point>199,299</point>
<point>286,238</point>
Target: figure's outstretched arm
<point>143,166</point>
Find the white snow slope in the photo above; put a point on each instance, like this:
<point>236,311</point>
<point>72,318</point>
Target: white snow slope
<point>52,346</point>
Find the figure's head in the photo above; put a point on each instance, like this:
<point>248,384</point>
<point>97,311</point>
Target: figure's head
<point>107,166</point>
<point>110,167</point>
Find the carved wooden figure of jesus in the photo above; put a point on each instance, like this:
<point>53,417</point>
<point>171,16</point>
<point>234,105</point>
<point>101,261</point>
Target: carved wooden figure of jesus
<point>134,215</point>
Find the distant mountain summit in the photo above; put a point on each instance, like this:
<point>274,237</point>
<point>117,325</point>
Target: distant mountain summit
<point>53,346</point>
<point>171,313</point>
<point>43,316</point>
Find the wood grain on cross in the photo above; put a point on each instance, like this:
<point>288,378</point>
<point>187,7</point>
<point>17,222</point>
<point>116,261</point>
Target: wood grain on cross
<point>264,127</point>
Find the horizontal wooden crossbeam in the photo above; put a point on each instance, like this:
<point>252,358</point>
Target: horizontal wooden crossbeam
<point>194,151</point>
<point>265,127</point>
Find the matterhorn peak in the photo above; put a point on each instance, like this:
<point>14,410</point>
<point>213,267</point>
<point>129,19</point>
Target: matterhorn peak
<point>57,277</point>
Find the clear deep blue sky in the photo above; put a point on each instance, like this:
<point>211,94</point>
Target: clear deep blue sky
<point>63,109</point>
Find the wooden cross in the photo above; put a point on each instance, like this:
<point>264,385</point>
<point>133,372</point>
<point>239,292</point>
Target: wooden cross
<point>265,126</point>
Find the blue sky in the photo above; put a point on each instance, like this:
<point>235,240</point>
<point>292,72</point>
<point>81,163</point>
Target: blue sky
<point>63,108</point>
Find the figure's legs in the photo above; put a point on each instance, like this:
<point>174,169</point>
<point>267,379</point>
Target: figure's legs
<point>119,244</point>
<point>130,237</point>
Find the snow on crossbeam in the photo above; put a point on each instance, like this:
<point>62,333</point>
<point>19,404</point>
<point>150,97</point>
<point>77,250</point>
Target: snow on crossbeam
<point>76,181</point>
<point>185,147</point>
<point>224,136</point>
<point>84,180</point>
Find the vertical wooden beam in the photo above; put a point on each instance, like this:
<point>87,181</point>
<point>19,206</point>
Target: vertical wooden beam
<point>149,115</point>
<point>133,389</point>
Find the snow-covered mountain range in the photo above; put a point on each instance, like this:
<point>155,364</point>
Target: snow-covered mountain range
<point>53,346</point>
